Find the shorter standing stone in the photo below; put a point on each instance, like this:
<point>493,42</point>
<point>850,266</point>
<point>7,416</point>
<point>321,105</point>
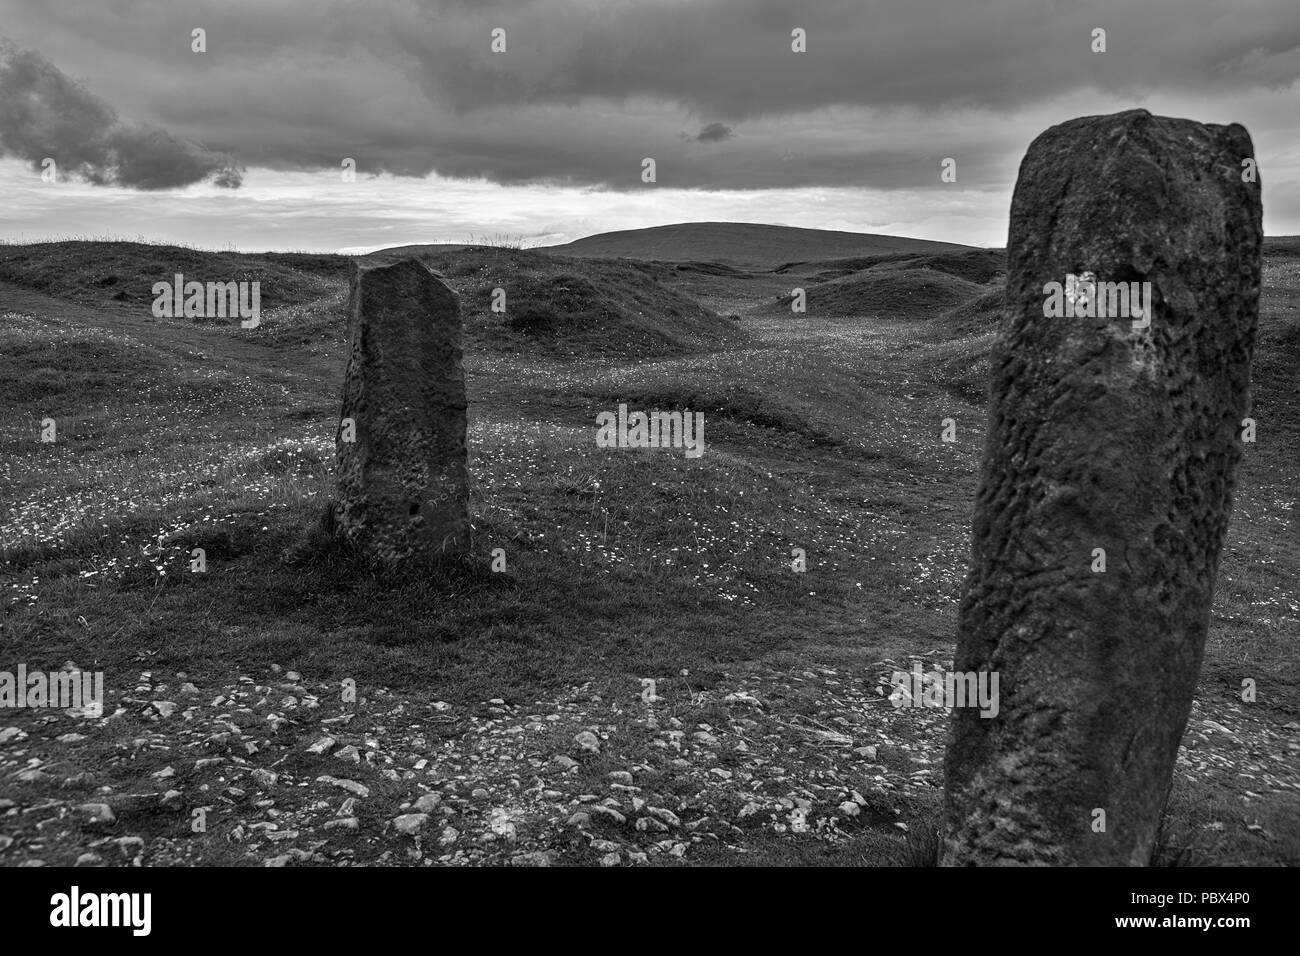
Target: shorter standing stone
<point>403,485</point>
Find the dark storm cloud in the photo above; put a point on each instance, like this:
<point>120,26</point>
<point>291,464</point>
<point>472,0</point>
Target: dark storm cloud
<point>714,133</point>
<point>586,89</point>
<point>733,58</point>
<point>44,114</point>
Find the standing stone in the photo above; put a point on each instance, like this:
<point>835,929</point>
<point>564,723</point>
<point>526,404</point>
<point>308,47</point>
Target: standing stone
<point>1102,435</point>
<point>403,483</point>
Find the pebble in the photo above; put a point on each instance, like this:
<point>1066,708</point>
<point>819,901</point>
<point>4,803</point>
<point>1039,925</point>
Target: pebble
<point>351,786</point>
<point>348,753</point>
<point>608,812</point>
<point>324,745</point>
<point>537,858</point>
<point>265,778</point>
<point>410,822</point>
<point>620,776</point>
<point>499,822</point>
<point>667,816</point>
<point>587,741</point>
<point>97,812</point>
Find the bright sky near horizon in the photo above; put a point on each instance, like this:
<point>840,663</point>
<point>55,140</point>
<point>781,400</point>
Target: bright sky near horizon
<point>241,146</point>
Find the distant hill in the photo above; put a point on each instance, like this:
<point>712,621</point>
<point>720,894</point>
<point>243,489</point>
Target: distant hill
<point>753,245</point>
<point>1284,246</point>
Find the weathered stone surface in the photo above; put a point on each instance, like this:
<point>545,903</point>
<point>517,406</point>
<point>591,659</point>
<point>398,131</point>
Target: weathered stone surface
<point>1102,435</point>
<point>403,483</point>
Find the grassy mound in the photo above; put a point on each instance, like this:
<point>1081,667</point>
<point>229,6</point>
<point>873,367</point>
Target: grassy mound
<point>886,293</point>
<point>562,307</point>
<point>574,307</point>
<point>984,313</point>
<point>974,265</point>
<point>46,366</point>
<point>735,404</point>
<point>95,273</point>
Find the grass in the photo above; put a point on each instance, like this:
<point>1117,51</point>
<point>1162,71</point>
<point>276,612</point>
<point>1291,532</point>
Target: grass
<point>822,434</point>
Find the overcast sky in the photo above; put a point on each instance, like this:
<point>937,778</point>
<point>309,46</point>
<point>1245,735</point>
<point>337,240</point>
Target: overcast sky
<point>243,144</point>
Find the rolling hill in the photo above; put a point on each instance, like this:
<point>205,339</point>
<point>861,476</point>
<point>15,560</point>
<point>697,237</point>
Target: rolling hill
<point>754,245</point>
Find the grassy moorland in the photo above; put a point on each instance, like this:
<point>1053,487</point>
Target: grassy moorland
<point>770,740</point>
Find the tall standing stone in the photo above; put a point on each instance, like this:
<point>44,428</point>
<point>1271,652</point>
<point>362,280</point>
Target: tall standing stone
<point>1103,435</point>
<point>402,481</point>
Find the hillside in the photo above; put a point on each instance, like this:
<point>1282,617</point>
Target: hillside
<point>770,741</point>
<point>565,306</point>
<point>884,293</point>
<point>555,305</point>
<point>753,245</point>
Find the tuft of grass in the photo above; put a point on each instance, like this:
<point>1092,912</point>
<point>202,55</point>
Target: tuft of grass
<point>924,840</point>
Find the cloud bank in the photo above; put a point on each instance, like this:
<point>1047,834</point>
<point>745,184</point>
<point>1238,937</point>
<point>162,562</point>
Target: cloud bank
<point>46,115</point>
